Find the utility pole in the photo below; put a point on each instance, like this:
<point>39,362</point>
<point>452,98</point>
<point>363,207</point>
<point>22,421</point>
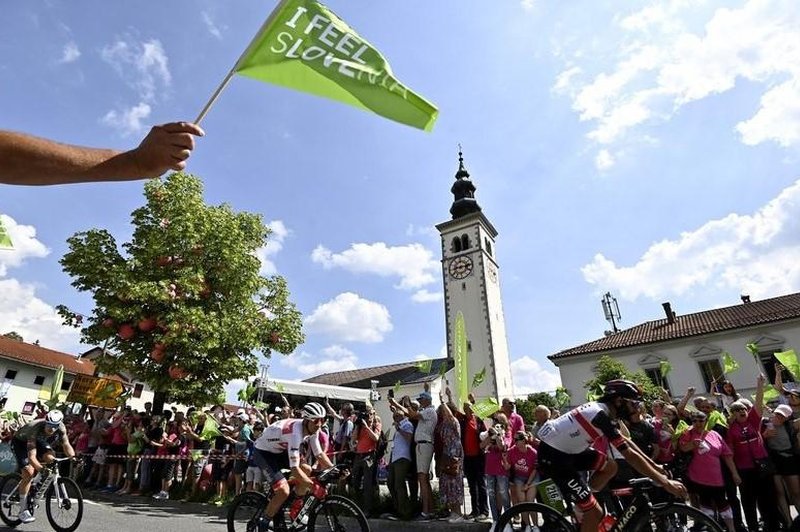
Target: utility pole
<point>611,311</point>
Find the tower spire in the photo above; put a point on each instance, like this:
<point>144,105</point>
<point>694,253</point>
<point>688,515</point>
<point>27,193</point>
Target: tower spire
<point>463,190</point>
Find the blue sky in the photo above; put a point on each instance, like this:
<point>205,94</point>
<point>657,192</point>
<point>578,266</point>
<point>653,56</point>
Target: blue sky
<point>649,150</point>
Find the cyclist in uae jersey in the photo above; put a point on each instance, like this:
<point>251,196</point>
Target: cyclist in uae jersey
<point>567,449</point>
<point>278,448</point>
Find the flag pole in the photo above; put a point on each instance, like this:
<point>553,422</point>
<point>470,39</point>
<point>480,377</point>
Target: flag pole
<point>247,50</point>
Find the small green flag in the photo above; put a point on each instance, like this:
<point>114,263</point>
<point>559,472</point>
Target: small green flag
<point>729,365</point>
<point>304,46</point>
<point>789,360</point>
<point>396,387</point>
<point>562,397</point>
<point>595,393</point>
<point>5,239</point>
<point>770,394</point>
<point>485,407</point>
<point>424,365</point>
<point>753,348</point>
<point>210,429</point>
<point>665,367</point>
<point>443,368</point>
<point>479,377</point>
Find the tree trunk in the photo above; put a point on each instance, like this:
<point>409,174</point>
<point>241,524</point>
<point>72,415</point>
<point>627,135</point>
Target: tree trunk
<point>159,398</point>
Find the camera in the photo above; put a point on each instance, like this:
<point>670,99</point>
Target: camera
<point>496,432</point>
<point>361,416</point>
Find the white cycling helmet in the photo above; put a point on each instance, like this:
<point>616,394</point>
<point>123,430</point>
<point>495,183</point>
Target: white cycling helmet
<point>54,418</point>
<point>314,411</point>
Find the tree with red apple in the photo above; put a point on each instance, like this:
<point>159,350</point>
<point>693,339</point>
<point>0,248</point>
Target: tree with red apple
<point>182,305</point>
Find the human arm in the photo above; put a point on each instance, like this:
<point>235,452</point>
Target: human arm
<point>758,404</point>
<point>331,412</point>
<point>779,378</point>
<point>682,405</point>
<point>29,160</point>
<point>728,459</point>
<point>638,462</point>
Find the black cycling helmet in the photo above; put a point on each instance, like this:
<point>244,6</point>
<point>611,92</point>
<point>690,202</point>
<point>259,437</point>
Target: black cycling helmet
<point>621,388</point>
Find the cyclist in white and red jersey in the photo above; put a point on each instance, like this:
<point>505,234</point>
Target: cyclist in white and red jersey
<point>567,449</point>
<point>278,448</point>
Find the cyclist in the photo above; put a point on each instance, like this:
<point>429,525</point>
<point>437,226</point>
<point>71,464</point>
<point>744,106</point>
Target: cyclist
<point>278,448</point>
<point>32,448</point>
<point>567,449</point>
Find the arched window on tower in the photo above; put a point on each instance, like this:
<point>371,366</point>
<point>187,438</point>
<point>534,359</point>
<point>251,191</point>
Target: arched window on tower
<point>464,242</point>
<point>488,246</point>
<point>455,247</point>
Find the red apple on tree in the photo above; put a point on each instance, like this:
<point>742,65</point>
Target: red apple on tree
<point>108,323</point>
<point>177,372</point>
<point>126,331</point>
<point>163,261</point>
<point>158,353</point>
<point>274,338</point>
<point>147,324</point>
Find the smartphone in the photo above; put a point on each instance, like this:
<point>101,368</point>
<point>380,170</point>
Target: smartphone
<point>390,393</point>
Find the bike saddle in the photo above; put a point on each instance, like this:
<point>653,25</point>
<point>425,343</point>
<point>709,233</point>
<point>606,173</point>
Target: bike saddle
<point>641,483</point>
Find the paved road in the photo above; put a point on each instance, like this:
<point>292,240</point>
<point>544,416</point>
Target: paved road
<point>109,513</point>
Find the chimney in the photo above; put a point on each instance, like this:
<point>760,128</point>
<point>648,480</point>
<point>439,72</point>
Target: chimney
<point>669,312</point>
<point>745,299</point>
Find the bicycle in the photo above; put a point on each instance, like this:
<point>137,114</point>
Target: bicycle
<point>639,515</point>
<point>318,510</point>
<point>62,496</point>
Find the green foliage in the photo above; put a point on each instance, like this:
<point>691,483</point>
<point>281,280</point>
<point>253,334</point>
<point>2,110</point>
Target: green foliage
<point>182,305</point>
<point>525,407</point>
<point>13,335</point>
<point>610,369</point>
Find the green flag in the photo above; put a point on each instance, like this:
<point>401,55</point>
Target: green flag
<point>665,368</point>
<point>753,348</point>
<point>485,407</point>
<point>210,429</point>
<point>460,356</point>
<point>595,393</point>
<point>729,365</point>
<point>5,240</point>
<point>479,377</point>
<point>424,365</point>
<point>770,394</point>
<point>396,387</point>
<point>789,360</point>
<point>304,46</point>
<point>562,397</point>
<point>443,368</point>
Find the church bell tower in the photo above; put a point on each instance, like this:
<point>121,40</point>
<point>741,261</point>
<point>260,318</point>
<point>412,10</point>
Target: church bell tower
<point>471,276</point>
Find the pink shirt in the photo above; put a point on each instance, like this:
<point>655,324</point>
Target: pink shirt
<point>745,440</point>
<point>665,453</point>
<point>522,462</point>
<point>494,458</point>
<point>706,465</point>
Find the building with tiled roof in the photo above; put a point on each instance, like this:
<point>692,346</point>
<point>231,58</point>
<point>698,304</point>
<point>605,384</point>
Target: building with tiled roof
<point>693,344</point>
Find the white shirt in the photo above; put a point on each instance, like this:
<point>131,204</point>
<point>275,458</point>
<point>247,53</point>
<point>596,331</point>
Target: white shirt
<point>287,435</point>
<point>426,425</point>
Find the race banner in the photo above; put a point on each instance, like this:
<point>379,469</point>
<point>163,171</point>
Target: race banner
<point>95,391</point>
<point>460,356</point>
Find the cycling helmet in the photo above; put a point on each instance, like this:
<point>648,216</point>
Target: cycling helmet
<point>54,418</point>
<point>621,388</point>
<point>314,411</point>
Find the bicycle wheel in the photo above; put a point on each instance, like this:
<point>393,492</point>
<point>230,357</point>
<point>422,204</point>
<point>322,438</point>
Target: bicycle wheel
<point>679,517</point>
<point>63,503</point>
<point>337,514</point>
<point>536,514</point>
<point>245,511</point>
<point>9,499</point>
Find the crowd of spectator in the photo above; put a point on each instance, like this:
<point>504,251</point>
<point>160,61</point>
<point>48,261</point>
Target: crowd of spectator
<point>739,458</point>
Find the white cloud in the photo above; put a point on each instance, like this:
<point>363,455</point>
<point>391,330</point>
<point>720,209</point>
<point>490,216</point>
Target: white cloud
<point>349,318</point>
<point>604,160</point>
<point>278,234</point>
<point>423,296</point>
<point>143,65</point>
<point>20,309</point>
<point>661,66</point>
<point>530,377</point>
<point>128,121</point>
<point>756,254</point>
<point>413,264</point>
<point>527,5</point>
<point>70,54</point>
<point>26,245</point>
<point>332,358</point>
<point>211,25</point>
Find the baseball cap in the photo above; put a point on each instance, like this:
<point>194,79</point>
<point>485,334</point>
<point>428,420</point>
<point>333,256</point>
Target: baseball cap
<point>784,410</point>
<point>425,395</point>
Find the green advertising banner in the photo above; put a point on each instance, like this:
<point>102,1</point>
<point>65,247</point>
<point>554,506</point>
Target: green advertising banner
<point>460,357</point>
<point>486,407</point>
<point>305,46</point>
<point>5,239</point>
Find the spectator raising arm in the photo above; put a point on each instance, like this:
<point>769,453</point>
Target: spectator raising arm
<point>29,160</point>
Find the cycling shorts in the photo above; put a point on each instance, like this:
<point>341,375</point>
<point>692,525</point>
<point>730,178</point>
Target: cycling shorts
<point>567,470</point>
<point>271,465</point>
<point>20,449</point>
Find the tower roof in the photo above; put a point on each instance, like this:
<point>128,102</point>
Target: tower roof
<point>463,190</point>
